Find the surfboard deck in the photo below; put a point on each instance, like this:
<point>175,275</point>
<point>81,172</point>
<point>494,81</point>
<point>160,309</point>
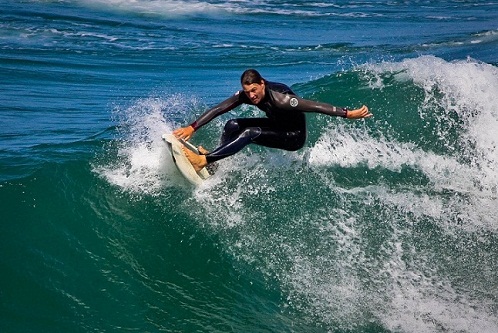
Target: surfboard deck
<point>182,162</point>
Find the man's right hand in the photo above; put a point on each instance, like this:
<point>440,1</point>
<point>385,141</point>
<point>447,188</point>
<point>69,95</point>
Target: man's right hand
<point>184,133</point>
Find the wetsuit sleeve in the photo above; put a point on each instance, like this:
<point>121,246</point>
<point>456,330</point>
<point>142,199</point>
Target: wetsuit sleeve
<point>294,103</point>
<point>223,107</point>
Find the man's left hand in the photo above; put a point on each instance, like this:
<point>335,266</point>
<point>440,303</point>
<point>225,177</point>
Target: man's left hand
<point>362,112</point>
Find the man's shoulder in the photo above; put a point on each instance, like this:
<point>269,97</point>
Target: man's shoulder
<point>279,87</point>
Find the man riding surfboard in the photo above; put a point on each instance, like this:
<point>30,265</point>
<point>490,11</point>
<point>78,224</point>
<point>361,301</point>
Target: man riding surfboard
<point>284,126</point>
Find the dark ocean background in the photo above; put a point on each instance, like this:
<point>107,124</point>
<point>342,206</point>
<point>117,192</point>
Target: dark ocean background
<point>388,224</point>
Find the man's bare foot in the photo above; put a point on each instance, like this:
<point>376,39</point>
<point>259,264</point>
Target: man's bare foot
<point>197,161</point>
<point>202,151</point>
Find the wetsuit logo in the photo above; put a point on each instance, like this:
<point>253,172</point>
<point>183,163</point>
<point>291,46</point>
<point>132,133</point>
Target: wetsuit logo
<point>293,102</point>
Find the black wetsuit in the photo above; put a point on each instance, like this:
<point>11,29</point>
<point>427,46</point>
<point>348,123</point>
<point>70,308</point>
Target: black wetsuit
<point>284,127</point>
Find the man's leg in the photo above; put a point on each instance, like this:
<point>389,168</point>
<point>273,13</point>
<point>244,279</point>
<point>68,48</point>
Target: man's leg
<point>238,133</point>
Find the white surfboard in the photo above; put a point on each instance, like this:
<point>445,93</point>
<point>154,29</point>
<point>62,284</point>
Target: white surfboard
<point>182,162</point>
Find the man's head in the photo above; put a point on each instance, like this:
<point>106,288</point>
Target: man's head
<point>253,85</point>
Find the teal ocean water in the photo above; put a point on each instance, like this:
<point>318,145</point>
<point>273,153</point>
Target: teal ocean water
<point>387,224</point>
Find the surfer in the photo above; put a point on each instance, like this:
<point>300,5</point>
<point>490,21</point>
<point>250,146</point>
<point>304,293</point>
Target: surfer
<point>283,128</point>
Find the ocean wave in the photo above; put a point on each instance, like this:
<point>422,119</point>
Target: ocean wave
<point>348,232</point>
<point>187,8</point>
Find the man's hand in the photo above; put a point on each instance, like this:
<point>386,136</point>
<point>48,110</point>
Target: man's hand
<point>184,133</point>
<point>359,113</point>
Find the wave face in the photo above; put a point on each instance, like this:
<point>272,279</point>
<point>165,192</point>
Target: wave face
<point>374,219</point>
<point>386,224</point>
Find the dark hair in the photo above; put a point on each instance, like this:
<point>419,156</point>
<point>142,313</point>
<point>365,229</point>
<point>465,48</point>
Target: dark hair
<point>250,76</point>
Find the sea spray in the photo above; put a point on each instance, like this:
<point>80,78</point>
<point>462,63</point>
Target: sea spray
<point>142,163</point>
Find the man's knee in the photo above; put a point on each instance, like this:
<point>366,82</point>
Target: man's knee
<point>231,126</point>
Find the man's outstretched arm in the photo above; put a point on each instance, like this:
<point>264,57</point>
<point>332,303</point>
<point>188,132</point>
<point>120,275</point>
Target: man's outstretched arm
<point>225,106</point>
<point>295,103</point>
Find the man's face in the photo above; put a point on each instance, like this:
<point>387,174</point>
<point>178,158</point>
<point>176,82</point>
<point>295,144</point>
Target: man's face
<point>255,91</point>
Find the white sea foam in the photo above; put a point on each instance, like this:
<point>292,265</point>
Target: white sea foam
<point>143,165</point>
<point>466,89</point>
<point>158,7</point>
<point>417,297</point>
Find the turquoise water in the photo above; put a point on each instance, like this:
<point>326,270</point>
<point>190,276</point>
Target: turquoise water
<point>379,225</point>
